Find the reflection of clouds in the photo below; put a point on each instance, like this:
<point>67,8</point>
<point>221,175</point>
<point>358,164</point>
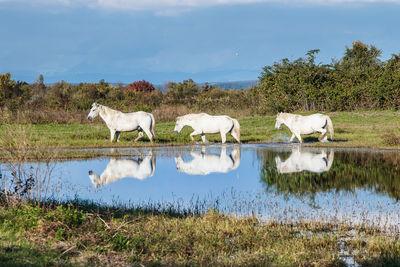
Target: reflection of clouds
<point>116,169</point>
<point>203,163</point>
<point>300,161</point>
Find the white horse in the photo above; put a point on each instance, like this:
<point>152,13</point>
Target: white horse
<point>300,161</point>
<point>203,123</point>
<point>124,168</point>
<point>203,164</point>
<point>298,124</point>
<point>118,121</point>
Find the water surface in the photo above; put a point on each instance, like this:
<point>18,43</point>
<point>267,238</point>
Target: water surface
<point>272,181</point>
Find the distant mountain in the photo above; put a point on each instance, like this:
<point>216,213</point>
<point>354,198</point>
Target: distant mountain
<point>163,87</point>
<point>221,85</point>
<point>234,85</point>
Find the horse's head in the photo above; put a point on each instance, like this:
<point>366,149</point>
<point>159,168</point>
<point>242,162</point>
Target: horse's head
<point>279,121</point>
<point>179,162</point>
<point>94,111</point>
<point>278,163</point>
<point>95,179</point>
<point>178,125</point>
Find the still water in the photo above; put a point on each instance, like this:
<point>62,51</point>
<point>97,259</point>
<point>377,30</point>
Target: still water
<point>282,182</point>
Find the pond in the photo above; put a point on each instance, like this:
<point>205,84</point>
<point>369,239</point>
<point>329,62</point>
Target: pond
<point>281,182</point>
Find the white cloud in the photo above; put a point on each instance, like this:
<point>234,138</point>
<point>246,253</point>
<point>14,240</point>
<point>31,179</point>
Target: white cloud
<point>173,7</point>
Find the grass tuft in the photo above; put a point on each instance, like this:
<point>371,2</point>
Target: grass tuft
<point>391,139</point>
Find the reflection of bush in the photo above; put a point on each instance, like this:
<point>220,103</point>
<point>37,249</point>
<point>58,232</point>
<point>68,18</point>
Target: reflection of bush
<point>378,172</point>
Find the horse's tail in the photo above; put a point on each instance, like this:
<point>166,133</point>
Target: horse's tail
<point>153,162</point>
<point>278,163</point>
<point>153,125</point>
<point>236,130</point>
<point>330,160</point>
<point>236,156</point>
<point>330,126</point>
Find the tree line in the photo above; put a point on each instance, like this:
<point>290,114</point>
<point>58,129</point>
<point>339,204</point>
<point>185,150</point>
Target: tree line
<point>359,80</point>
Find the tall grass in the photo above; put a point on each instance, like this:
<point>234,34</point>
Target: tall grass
<point>21,180</point>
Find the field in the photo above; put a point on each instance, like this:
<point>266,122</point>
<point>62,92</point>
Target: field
<point>372,129</point>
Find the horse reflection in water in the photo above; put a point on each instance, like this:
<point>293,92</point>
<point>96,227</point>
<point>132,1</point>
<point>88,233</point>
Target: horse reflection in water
<point>300,161</point>
<point>203,164</point>
<point>117,169</point>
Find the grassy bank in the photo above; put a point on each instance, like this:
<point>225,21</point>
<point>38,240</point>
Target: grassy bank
<point>91,235</point>
<point>377,129</point>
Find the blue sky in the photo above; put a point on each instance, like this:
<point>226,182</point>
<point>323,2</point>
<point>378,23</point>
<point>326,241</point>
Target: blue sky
<point>173,40</point>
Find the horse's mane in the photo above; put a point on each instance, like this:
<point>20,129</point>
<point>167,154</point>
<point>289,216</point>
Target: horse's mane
<point>287,115</point>
<point>191,116</point>
<point>108,109</point>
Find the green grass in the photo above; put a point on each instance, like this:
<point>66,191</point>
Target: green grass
<point>377,129</point>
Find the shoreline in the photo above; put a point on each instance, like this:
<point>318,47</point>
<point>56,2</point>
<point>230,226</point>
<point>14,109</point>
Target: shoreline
<point>30,153</point>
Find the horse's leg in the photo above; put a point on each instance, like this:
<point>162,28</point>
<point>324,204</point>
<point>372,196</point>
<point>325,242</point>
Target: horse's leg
<point>149,134</point>
<point>223,137</point>
<point>234,135</point>
<point>117,135</point>
<point>322,137</point>
<point>299,137</point>
<point>140,135</point>
<point>292,138</point>
<point>112,133</point>
<point>194,133</point>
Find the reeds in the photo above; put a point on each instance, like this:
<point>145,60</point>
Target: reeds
<point>22,179</point>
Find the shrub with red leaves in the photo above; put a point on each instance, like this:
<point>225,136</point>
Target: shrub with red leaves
<point>140,86</point>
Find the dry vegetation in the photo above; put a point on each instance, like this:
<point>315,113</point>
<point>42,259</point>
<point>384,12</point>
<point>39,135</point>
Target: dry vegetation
<point>90,235</point>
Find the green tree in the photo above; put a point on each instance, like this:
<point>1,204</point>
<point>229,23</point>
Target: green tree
<point>359,71</point>
<point>292,85</point>
<point>38,92</point>
<point>6,87</point>
<point>60,94</point>
<point>182,92</point>
<point>12,93</point>
<point>359,80</point>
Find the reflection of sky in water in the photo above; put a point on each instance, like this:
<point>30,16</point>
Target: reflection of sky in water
<point>167,184</point>
<point>240,191</point>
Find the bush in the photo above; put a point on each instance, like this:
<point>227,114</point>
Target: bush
<point>139,86</point>
<point>357,81</point>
